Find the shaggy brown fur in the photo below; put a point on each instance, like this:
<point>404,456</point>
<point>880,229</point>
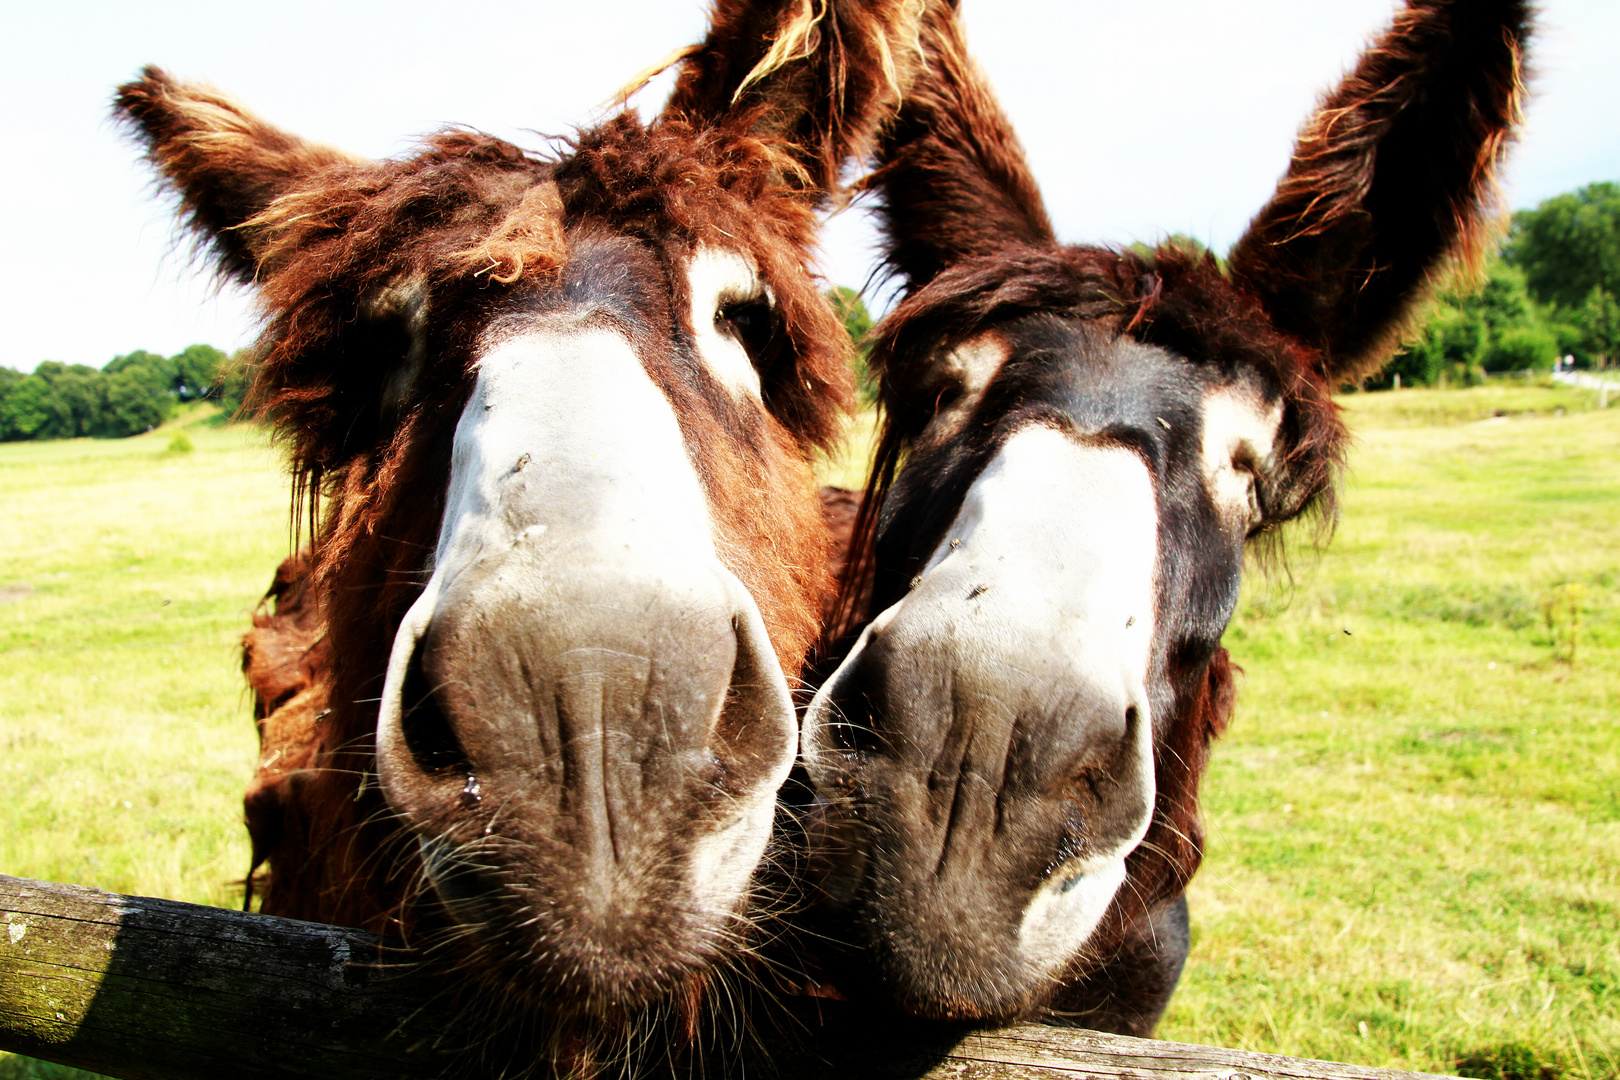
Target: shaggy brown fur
<point>1393,175</point>
<point>866,54</point>
<point>377,277</point>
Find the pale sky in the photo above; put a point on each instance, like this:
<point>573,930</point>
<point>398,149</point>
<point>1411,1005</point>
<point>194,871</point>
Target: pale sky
<point>1140,119</point>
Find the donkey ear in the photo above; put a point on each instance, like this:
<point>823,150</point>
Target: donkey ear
<point>1393,174</point>
<point>823,76</point>
<point>227,165</point>
<point>952,176</point>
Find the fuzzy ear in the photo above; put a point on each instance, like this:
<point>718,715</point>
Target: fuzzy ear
<point>951,173</point>
<point>227,165</point>
<point>823,75</point>
<point>1393,174</point>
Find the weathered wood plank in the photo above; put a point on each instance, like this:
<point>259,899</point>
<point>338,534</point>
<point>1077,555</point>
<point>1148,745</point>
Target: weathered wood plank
<point>148,989</point>
<point>142,988</point>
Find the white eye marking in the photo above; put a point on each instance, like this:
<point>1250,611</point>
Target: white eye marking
<point>1240,435</point>
<point>963,374</point>
<point>717,278</point>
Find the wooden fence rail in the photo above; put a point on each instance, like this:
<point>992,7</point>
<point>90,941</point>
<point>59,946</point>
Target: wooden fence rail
<point>149,989</point>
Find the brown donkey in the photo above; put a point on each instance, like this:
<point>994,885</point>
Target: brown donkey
<point>556,412</point>
<point>1078,444</point>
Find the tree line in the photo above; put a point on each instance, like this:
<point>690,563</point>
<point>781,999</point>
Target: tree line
<point>130,394</point>
<point>1551,289</point>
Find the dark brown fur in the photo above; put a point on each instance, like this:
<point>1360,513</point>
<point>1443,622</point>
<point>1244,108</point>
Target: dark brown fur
<point>864,54</point>
<point>1393,175</point>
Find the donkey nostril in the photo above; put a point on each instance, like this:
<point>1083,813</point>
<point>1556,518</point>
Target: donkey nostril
<point>428,736</point>
<point>752,742</point>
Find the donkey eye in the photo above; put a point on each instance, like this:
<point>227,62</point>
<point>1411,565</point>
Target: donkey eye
<point>749,322</point>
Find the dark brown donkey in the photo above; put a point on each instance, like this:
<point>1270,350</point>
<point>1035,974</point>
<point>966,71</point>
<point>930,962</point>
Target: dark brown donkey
<point>556,412</point>
<point>1078,443</point>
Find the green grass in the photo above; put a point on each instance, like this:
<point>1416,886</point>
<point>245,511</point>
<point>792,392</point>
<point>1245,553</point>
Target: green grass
<point>1414,828</point>
<point>128,572</point>
<point>1509,395</point>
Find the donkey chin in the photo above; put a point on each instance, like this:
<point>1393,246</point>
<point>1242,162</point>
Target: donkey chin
<point>973,934</point>
<point>583,721</point>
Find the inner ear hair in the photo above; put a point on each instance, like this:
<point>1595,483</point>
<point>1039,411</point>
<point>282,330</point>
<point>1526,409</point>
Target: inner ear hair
<point>395,317</point>
<point>820,76</point>
<point>1393,174</point>
<point>226,165</point>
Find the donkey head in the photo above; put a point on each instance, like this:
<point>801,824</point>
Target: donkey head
<point>1078,444</point>
<point>561,410</point>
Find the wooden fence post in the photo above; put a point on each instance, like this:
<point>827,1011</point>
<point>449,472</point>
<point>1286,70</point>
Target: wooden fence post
<point>146,989</point>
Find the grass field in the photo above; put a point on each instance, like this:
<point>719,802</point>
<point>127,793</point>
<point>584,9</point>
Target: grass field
<point>1414,827</point>
<point>1414,824</point>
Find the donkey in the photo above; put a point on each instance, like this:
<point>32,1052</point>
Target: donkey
<point>1078,444</point>
<point>556,412</point>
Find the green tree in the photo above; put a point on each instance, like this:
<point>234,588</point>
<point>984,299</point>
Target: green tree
<point>197,372</point>
<point>1517,336</point>
<point>858,322</point>
<point>1569,245</point>
<point>135,401</point>
<point>1450,344</point>
<point>139,358</point>
<point>1469,329</point>
<point>22,411</point>
<point>75,402</point>
<point>8,378</point>
<point>1598,321</point>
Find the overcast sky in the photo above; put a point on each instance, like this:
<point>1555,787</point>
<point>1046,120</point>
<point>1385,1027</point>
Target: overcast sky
<point>1140,119</point>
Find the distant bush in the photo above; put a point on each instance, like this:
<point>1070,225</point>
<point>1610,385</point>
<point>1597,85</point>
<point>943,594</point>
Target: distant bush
<point>1549,291</point>
<point>133,393</point>
<point>1522,348</point>
<point>180,443</point>
<point>1468,330</point>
